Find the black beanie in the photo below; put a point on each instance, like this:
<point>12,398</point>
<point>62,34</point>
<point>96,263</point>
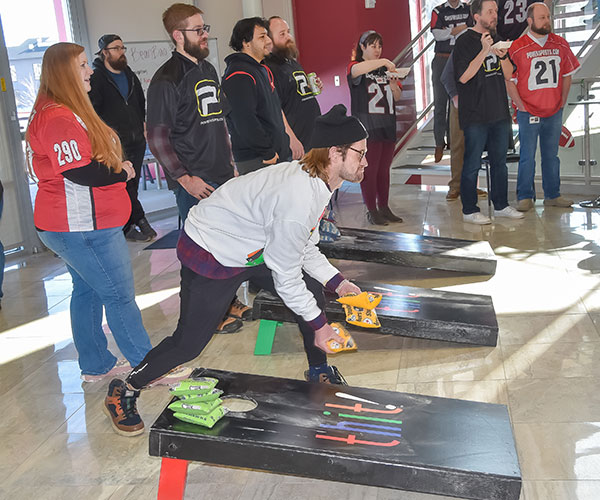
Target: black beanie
<point>105,40</point>
<point>334,128</point>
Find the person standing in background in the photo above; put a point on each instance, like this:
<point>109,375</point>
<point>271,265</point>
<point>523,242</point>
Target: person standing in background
<point>374,90</point>
<point>118,98</point>
<point>298,99</point>
<point>448,21</point>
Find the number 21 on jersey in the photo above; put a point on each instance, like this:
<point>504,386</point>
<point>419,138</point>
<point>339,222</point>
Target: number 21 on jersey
<point>544,73</point>
<point>376,97</point>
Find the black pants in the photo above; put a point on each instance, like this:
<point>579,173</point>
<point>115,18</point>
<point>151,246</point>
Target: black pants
<point>135,154</point>
<point>440,100</point>
<point>204,302</point>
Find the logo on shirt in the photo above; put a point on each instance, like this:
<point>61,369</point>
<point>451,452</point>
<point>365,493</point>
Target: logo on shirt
<point>208,97</point>
<point>491,64</point>
<point>302,85</point>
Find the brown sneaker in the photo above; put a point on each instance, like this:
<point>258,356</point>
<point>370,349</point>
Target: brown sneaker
<point>229,325</point>
<point>240,310</point>
<point>481,193</point>
<point>559,201</point>
<point>452,195</point>
<point>525,204</point>
<point>120,406</point>
<point>439,153</point>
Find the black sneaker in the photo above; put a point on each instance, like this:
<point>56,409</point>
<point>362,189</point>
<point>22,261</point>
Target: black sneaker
<point>146,228</point>
<point>120,406</point>
<point>331,375</point>
<point>132,234</point>
<point>229,325</point>
<point>386,213</point>
<point>375,218</point>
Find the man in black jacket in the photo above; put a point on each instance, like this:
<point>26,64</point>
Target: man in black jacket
<point>255,121</point>
<point>298,98</point>
<point>118,98</point>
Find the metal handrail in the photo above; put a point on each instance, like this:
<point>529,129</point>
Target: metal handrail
<point>410,45</point>
<point>588,42</point>
<point>415,124</point>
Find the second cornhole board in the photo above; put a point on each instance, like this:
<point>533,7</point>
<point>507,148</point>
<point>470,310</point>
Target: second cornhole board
<point>412,250</point>
<point>404,311</point>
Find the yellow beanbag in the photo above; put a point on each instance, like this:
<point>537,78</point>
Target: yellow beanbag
<point>366,318</point>
<point>364,300</point>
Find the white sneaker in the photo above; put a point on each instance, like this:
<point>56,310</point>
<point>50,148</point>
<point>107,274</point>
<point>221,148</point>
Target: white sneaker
<point>121,368</point>
<point>509,212</point>
<point>477,218</point>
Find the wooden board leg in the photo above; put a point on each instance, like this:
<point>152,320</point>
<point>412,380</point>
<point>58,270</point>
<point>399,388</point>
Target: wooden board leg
<point>173,474</point>
<point>266,335</point>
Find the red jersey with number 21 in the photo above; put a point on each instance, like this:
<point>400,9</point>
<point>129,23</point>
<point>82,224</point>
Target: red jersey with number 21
<point>540,72</point>
<point>58,142</point>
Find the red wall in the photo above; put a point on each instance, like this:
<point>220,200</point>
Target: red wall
<point>327,30</point>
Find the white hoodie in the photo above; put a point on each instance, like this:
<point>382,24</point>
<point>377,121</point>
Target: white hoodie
<point>276,209</point>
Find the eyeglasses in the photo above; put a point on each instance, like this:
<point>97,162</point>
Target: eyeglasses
<point>199,31</point>
<point>361,152</point>
<point>120,48</point>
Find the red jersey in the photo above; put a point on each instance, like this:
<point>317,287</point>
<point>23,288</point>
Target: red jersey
<point>58,142</point>
<point>540,72</point>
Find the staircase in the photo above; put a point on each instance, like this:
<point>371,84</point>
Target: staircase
<point>573,19</point>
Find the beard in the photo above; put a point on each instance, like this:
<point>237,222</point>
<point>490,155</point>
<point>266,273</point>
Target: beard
<point>490,27</point>
<point>288,51</point>
<point>119,63</point>
<point>195,50</point>
<point>541,30</point>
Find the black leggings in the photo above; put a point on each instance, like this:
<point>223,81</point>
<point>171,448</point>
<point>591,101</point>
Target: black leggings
<point>204,303</point>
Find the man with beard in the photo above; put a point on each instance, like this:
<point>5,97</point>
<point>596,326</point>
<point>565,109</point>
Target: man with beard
<point>298,101</point>
<point>512,17</point>
<point>483,111</point>
<point>186,125</point>
<point>544,66</point>
<point>258,136</point>
<point>260,226</point>
<point>118,98</point>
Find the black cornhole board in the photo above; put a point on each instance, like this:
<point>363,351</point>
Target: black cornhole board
<point>409,312</point>
<point>426,444</point>
<point>412,250</point>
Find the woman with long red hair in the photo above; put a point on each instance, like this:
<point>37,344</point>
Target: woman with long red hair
<point>80,209</point>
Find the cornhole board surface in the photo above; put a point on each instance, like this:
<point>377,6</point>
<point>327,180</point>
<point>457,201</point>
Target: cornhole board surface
<point>403,310</point>
<point>394,440</point>
<point>412,250</point>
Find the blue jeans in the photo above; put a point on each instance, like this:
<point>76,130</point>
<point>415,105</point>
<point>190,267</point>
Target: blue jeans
<point>548,130</point>
<point>478,137</point>
<point>100,267</point>
<point>185,201</point>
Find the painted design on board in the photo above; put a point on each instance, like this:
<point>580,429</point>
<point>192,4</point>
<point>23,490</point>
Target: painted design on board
<point>374,423</point>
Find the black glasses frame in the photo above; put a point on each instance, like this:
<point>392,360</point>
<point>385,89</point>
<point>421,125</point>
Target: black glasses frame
<point>361,152</point>
<point>199,31</point>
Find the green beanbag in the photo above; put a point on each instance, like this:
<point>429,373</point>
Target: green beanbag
<point>195,408</point>
<point>204,420</point>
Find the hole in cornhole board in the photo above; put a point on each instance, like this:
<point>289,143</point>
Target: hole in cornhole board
<point>238,404</point>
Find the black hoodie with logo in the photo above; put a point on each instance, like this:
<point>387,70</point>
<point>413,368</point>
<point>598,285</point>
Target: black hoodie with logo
<point>125,116</point>
<point>254,121</point>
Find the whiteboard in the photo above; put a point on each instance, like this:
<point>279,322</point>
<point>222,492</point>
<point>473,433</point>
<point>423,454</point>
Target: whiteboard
<point>144,58</point>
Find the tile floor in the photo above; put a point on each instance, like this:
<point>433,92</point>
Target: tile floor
<point>57,444</point>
